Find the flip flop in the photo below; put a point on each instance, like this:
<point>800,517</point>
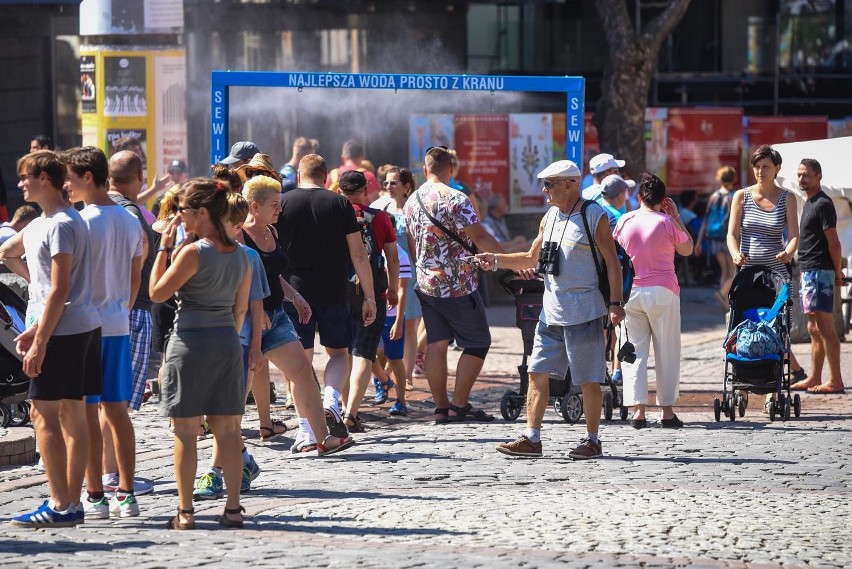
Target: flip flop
<point>824,390</point>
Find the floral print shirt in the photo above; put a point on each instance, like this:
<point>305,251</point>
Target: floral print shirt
<point>440,272</point>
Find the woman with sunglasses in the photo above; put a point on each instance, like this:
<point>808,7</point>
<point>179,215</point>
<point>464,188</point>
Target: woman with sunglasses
<point>211,277</point>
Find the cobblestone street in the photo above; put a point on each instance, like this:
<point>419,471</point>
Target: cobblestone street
<point>751,493</point>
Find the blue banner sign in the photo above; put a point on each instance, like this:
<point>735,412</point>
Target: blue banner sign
<point>573,87</point>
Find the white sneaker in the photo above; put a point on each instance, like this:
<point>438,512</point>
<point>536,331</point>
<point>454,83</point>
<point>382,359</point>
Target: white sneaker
<point>125,508</point>
<point>96,510</point>
<point>110,481</point>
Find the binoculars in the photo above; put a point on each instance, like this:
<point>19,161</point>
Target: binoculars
<point>548,259</point>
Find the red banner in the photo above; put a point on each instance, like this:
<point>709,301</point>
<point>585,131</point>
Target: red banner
<point>778,130</point>
<point>482,143</point>
<point>700,141</point>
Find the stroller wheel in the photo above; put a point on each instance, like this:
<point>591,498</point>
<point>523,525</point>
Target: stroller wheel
<point>5,415</point>
<point>717,409</point>
<point>607,406</point>
<point>572,408</point>
<point>732,408</point>
<point>557,405</point>
<point>20,414</point>
<point>797,405</point>
<point>772,410</point>
<point>741,405</point>
<point>510,406</point>
<point>622,411</point>
<point>785,408</point>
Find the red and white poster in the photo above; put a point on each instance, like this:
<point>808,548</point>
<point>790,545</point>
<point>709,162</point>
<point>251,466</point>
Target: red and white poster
<point>530,152</point>
<point>778,130</point>
<point>482,143</point>
<point>700,141</point>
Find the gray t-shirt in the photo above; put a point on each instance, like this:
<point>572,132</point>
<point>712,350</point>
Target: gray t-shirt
<point>573,296</point>
<point>206,300</point>
<point>64,232</point>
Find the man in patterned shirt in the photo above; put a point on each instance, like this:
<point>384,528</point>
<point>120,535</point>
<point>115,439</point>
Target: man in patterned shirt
<point>447,285</point>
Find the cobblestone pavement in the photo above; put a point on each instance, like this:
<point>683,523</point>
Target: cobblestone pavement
<point>411,494</point>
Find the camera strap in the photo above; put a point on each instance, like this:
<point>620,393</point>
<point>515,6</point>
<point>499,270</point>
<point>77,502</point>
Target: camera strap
<point>451,234</point>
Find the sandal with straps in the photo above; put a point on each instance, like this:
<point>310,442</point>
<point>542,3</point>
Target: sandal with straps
<point>176,523</point>
<point>267,433</point>
<point>467,413</point>
<point>324,448</point>
<point>354,423</point>
<point>442,415</point>
<point>227,522</point>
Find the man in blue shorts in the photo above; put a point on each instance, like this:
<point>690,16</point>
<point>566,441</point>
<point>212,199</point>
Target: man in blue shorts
<point>116,243</point>
<point>61,346</point>
<point>819,259</point>
<point>570,331</point>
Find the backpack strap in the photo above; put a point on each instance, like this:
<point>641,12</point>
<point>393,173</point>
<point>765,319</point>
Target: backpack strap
<point>452,235</point>
<point>592,244</point>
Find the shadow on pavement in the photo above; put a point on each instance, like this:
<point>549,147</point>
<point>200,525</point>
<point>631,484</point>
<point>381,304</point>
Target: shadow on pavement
<point>70,546</point>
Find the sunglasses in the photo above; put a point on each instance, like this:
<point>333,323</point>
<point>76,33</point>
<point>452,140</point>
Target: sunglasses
<point>390,183</point>
<point>444,148</point>
<point>183,208</point>
<point>550,183</point>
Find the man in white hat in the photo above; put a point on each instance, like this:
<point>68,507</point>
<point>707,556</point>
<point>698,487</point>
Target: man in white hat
<point>600,167</point>
<point>570,332</point>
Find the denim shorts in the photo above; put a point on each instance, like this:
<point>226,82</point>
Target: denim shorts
<point>817,291</point>
<point>332,321</point>
<point>580,347</point>
<point>281,332</point>
<point>412,303</point>
<point>461,318</point>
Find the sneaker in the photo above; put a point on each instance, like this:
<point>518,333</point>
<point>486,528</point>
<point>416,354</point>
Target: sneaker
<point>97,510</point>
<point>381,390</point>
<point>124,507</point>
<point>209,486</point>
<point>586,450</point>
<point>399,408</point>
<point>335,423</point>
<point>523,446</point>
<point>110,481</point>
<point>250,472</point>
<point>80,513</point>
<point>45,516</point>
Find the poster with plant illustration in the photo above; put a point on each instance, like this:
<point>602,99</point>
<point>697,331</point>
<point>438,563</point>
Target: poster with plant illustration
<point>530,151</point>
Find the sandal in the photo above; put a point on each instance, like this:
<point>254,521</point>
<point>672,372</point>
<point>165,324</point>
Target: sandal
<point>467,413</point>
<point>324,448</point>
<point>445,418</point>
<point>354,423</point>
<point>175,522</point>
<point>268,433</point>
<point>227,522</point>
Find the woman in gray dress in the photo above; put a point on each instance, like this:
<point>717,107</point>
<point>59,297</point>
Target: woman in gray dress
<point>203,369</point>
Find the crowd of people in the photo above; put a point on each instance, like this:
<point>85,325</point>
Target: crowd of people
<point>258,263</point>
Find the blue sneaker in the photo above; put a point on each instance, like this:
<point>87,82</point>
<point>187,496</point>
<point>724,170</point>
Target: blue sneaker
<point>209,486</point>
<point>399,408</point>
<point>250,472</point>
<point>382,390</point>
<point>45,516</point>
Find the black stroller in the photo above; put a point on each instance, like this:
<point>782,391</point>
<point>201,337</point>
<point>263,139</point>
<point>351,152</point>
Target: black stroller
<point>758,294</point>
<point>14,385</point>
<point>566,398</point>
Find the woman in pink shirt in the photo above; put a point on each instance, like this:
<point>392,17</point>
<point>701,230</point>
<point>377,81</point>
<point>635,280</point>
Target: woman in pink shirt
<point>651,235</point>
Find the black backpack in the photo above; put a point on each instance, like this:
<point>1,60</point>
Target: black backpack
<point>374,254</point>
<point>627,271</point>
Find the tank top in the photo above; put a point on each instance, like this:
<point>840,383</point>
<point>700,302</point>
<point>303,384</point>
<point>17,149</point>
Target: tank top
<point>274,263</point>
<point>762,233</point>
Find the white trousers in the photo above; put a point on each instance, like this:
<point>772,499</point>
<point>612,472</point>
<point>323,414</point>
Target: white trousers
<point>653,315</point>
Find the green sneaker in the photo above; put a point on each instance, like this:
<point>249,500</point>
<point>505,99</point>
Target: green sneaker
<point>124,507</point>
<point>209,486</point>
<point>250,472</point>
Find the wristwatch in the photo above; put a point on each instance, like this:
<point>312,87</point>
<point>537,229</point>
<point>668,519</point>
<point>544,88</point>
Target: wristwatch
<point>164,248</point>
<point>617,303</point>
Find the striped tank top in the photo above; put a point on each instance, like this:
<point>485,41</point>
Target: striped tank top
<point>762,233</point>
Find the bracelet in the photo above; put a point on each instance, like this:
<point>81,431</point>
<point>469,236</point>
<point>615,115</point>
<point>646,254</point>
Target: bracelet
<point>494,268</point>
<point>373,300</point>
<point>293,300</point>
<point>617,303</point>
<point>163,248</point>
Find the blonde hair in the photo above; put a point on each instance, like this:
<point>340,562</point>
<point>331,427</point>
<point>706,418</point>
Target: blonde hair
<point>257,189</point>
<point>169,203</point>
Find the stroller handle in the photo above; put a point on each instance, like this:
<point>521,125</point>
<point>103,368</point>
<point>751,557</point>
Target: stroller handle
<point>514,285</point>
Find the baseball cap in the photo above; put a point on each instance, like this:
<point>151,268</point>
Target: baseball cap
<point>613,185</point>
<point>242,150</point>
<point>176,166</point>
<point>603,162</point>
<point>560,169</point>
<point>352,181</point>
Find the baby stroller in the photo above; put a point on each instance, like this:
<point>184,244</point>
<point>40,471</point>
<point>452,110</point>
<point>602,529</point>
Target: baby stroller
<point>566,398</point>
<point>759,295</point>
<point>14,385</point>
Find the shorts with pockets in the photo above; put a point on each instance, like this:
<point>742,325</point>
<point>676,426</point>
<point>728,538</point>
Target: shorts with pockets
<point>461,318</point>
<point>332,321</point>
<point>281,332</point>
<point>117,369</point>
<point>394,349</point>
<point>71,368</point>
<point>817,291</point>
<point>580,347</point>
<point>365,339</point>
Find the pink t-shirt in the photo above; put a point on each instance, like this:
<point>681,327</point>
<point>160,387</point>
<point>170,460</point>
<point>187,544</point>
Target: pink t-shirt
<point>649,238</point>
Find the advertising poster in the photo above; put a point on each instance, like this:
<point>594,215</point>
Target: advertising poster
<point>840,128</point>
<point>170,102</point>
<point>591,140</point>
<point>426,131</point>
<point>559,129</point>
<point>530,151</point>
<point>116,134</point>
<point>482,142</point>
<point>124,80</point>
<point>88,90</point>
<point>109,17</point>
<point>778,130</point>
<point>699,142</point>
<point>656,139</point>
